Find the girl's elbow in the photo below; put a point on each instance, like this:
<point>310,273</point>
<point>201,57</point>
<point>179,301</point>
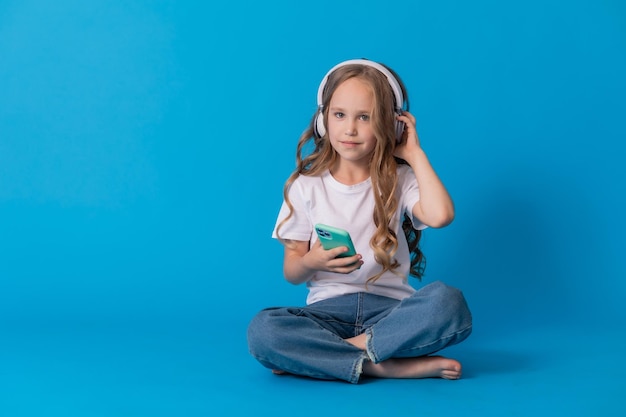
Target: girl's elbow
<point>442,220</point>
<point>293,278</point>
<point>289,277</point>
<point>435,216</point>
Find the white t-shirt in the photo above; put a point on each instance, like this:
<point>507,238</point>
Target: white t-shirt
<point>323,199</point>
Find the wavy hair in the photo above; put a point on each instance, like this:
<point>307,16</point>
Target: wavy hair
<point>383,167</point>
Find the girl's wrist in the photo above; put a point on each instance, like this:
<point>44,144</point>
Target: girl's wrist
<point>416,156</point>
<point>306,268</point>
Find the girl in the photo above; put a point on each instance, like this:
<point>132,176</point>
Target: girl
<point>367,174</point>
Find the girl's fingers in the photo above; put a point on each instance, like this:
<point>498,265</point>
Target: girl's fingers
<point>346,265</point>
<point>408,118</point>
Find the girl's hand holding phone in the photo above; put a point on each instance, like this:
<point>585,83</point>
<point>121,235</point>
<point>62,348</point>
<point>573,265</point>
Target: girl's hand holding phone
<point>329,260</point>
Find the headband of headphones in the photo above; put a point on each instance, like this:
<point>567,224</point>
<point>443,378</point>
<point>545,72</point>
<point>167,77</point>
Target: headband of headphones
<point>393,82</point>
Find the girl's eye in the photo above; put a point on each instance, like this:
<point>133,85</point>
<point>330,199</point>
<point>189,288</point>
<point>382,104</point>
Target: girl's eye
<point>339,115</point>
<point>364,117</point>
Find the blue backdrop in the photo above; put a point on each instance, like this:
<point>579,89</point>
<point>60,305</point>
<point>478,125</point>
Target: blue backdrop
<point>144,146</point>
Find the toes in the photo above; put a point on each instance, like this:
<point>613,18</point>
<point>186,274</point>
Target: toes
<point>449,374</point>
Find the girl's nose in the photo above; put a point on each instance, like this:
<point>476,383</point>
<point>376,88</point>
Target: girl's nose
<point>351,129</point>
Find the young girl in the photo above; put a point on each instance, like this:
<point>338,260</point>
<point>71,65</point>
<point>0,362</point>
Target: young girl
<point>367,174</point>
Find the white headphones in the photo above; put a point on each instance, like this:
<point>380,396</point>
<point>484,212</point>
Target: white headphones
<point>318,125</point>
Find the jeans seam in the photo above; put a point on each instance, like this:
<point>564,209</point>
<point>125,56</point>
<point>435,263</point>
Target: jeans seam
<point>298,371</point>
<point>449,336</point>
<point>358,322</point>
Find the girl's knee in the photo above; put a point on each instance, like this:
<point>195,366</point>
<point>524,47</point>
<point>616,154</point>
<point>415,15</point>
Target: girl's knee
<point>258,330</point>
<point>446,291</point>
<point>266,328</point>
<point>452,300</point>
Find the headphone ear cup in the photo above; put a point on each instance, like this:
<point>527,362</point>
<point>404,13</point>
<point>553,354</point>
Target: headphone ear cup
<point>399,130</point>
<point>319,128</point>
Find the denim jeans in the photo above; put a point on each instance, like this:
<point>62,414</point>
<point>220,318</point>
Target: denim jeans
<point>309,341</point>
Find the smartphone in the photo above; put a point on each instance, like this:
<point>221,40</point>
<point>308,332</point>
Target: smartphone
<point>332,237</point>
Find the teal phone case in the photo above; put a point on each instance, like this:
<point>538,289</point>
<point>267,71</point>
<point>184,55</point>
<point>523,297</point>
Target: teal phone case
<point>332,237</point>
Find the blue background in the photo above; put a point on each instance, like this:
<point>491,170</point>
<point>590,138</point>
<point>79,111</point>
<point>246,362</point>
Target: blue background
<point>143,150</point>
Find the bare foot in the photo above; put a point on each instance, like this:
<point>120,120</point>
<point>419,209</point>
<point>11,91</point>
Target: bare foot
<point>421,367</point>
<point>278,372</point>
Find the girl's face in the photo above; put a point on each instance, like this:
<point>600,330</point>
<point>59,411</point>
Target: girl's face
<point>349,127</point>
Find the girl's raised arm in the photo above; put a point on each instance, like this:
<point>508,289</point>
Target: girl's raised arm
<point>435,207</point>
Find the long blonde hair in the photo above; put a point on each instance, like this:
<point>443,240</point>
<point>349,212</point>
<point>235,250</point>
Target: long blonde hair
<point>383,166</point>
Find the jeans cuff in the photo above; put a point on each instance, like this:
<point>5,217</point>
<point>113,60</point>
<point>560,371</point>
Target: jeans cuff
<point>369,347</point>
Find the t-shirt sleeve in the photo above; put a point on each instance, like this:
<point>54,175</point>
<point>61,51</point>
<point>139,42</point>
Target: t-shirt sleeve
<point>298,226</point>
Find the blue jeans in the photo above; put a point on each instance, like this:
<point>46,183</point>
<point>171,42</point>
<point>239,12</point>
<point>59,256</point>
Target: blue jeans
<point>309,341</point>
